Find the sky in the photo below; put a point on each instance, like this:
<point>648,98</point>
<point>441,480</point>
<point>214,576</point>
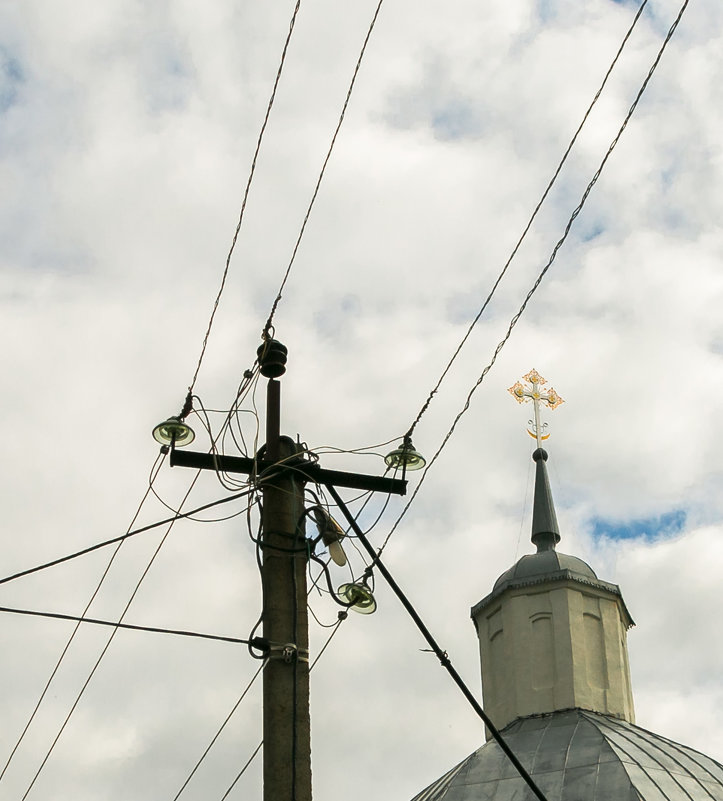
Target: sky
<point>127,132</point>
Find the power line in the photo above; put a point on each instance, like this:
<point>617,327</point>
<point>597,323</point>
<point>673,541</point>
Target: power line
<point>248,381</point>
<point>543,272</point>
<point>269,323</point>
<point>441,655</point>
<point>153,474</point>
<point>221,728</point>
<point>125,536</point>
<point>107,645</point>
<point>130,626</point>
<point>529,223</point>
<point>245,196</point>
<point>242,771</point>
<point>244,386</point>
<point>342,617</point>
<point>120,540</point>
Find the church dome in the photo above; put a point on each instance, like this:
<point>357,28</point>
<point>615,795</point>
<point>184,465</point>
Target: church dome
<point>544,565</point>
<point>574,755</point>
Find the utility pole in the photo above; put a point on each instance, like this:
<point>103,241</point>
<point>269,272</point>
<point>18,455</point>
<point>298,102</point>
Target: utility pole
<point>287,724</point>
<point>280,471</point>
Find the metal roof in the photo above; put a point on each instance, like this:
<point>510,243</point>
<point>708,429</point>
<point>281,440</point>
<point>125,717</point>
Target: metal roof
<point>546,566</point>
<point>574,755</point>
<point>541,564</point>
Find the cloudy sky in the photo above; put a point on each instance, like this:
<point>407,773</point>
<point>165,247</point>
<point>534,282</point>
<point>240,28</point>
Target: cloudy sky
<point>127,131</point>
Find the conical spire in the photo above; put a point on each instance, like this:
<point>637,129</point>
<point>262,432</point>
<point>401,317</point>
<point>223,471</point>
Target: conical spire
<point>545,533</point>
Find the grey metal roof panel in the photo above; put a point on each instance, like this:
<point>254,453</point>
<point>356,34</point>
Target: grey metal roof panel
<point>692,772</point>
<point>576,755</point>
<point>609,780</point>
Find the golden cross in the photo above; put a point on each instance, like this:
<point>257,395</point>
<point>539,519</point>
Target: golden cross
<point>522,394</point>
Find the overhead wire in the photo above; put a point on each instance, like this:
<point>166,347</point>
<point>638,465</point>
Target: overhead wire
<point>119,540</point>
<point>268,328</point>
<point>171,522</point>
<point>220,730</point>
<point>269,323</point>
<point>443,656</point>
<point>514,320</point>
<point>189,515</point>
<point>245,195</point>
<point>191,386</point>
<point>248,385</point>
<point>543,272</point>
<point>127,535</point>
<point>128,626</point>
<point>528,225</point>
<point>153,474</point>
<point>242,771</point>
<point>342,618</point>
<point>259,565</point>
<point>368,449</point>
<point>318,622</point>
<point>108,643</point>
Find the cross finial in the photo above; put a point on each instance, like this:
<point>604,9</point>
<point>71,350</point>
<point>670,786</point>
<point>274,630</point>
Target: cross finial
<point>522,394</point>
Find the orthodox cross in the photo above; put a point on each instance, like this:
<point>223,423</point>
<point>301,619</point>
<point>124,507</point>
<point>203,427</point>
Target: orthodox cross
<point>522,394</point>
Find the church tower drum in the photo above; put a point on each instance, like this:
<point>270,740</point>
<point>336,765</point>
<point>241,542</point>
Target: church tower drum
<point>552,635</point>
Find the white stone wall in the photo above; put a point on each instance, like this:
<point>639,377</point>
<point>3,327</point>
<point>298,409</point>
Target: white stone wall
<point>554,646</point>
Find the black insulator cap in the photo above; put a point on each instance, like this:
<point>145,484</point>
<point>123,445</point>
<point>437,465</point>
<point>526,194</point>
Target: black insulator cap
<point>540,453</point>
<point>272,358</point>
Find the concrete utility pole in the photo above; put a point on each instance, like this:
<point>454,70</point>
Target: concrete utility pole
<point>280,470</point>
<point>287,725</point>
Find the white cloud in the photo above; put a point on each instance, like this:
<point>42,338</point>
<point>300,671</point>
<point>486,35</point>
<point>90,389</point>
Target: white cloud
<point>125,150</point>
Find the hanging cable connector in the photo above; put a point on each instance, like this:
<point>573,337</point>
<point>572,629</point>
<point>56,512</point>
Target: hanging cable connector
<point>187,406</point>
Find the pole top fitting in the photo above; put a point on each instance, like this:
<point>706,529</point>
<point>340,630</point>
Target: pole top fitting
<point>272,358</point>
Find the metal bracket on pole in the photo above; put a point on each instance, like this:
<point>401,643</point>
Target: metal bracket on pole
<point>288,653</point>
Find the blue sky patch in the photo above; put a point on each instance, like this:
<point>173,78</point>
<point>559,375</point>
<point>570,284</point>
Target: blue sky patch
<point>11,76</point>
<point>454,121</point>
<point>592,232</point>
<point>650,528</point>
